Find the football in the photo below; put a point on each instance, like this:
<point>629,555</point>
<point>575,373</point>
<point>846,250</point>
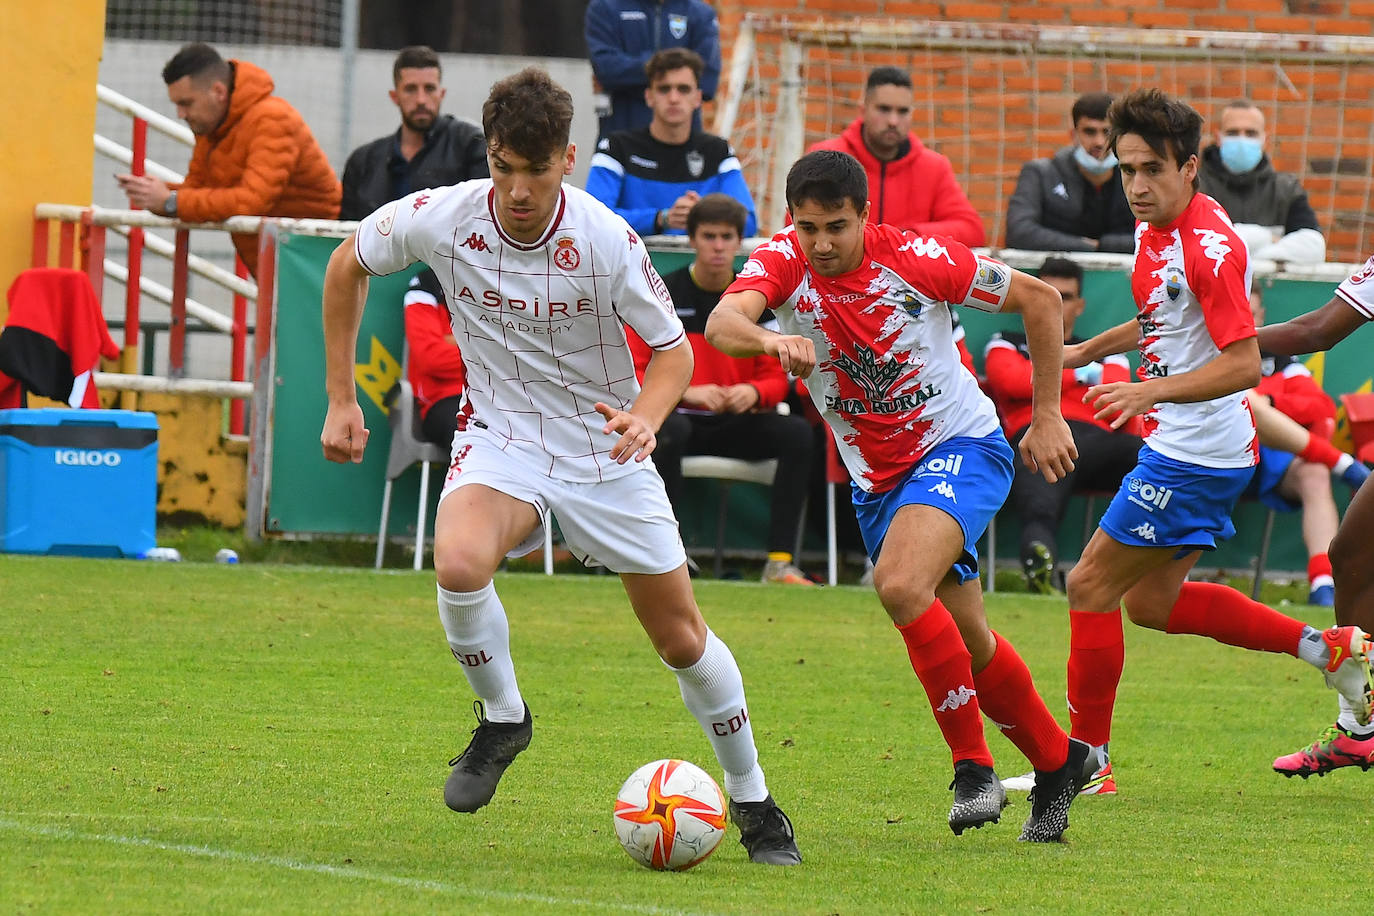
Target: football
<point>670,815</point>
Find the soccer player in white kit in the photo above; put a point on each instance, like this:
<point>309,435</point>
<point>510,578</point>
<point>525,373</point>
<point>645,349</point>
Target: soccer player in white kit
<point>1348,742</point>
<point>1199,356</point>
<point>540,280</point>
<point>868,308</point>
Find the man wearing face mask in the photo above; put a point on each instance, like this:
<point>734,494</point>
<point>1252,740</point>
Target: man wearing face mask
<point>1073,200</point>
<point>1269,209</point>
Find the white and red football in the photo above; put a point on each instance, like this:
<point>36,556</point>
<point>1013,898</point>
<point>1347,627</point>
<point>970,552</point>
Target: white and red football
<point>670,815</point>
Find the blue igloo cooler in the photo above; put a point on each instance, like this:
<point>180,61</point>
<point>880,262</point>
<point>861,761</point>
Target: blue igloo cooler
<point>78,482</point>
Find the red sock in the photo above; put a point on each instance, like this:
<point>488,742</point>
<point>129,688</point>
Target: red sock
<point>941,661</point>
<point>1320,565</point>
<point>1224,614</point>
<point>1097,653</point>
<point>1008,697</point>
<point>1320,451</point>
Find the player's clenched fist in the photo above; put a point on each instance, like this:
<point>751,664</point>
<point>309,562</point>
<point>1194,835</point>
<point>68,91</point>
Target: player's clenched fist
<point>344,436</point>
<point>796,353</point>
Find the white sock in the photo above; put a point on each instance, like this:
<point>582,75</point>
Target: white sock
<point>1312,649</point>
<point>1342,463</point>
<point>714,693</point>
<point>1348,721</point>
<point>479,637</point>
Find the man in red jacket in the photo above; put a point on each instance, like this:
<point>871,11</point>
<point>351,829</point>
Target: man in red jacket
<point>909,185</point>
<point>729,409</point>
<point>1105,455</point>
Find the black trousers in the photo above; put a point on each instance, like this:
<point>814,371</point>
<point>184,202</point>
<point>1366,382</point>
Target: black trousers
<point>1103,459</point>
<point>441,421</point>
<point>752,437</point>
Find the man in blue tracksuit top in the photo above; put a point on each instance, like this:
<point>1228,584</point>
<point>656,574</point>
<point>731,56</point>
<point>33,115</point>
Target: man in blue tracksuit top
<point>652,176</point>
<point>621,37</point>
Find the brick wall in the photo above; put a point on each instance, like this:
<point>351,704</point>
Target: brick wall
<point>990,112</point>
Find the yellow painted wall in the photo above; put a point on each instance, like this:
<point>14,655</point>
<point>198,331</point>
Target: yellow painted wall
<point>49,64</point>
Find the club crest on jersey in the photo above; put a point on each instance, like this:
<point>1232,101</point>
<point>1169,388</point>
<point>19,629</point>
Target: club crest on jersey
<point>877,380</point>
<point>1173,283</point>
<point>912,305</point>
<point>677,26</point>
<point>696,163</point>
<point>386,219</point>
<point>566,255</point>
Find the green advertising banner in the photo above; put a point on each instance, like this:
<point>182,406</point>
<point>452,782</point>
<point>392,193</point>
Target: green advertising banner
<point>309,495</point>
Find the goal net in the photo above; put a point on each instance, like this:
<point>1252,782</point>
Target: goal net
<point>992,96</point>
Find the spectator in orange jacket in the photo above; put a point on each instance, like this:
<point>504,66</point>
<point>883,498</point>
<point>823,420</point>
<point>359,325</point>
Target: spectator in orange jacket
<point>254,154</point>
<point>434,366</point>
<point>909,185</point>
<point>730,408</point>
<point>1104,455</point>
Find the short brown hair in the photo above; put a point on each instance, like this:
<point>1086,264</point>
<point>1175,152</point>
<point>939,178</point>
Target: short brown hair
<point>1168,126</point>
<point>528,114</point>
<point>200,62</point>
<point>717,207</point>
<point>670,59</point>
<point>418,57</point>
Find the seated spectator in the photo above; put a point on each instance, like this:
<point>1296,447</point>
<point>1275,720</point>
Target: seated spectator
<point>1269,208</point>
<point>428,150</point>
<point>621,37</point>
<point>1073,201</point>
<point>910,186</point>
<point>652,176</point>
<point>729,409</point>
<point>435,366</point>
<point>1290,482</point>
<point>254,153</point>
<point>1104,455</point>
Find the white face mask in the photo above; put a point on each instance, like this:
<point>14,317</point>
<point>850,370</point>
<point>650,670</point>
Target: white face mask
<point>1094,166</point>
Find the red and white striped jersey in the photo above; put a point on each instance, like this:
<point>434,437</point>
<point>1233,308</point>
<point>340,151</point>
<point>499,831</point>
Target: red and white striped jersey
<point>1358,290</point>
<point>540,325</point>
<point>888,378</point>
<point>1191,283</point>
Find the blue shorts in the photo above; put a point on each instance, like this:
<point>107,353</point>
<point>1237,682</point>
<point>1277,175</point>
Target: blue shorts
<point>1268,474</point>
<point>1168,503</point>
<point>967,478</point>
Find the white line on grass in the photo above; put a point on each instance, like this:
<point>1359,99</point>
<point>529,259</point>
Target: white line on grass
<point>336,871</point>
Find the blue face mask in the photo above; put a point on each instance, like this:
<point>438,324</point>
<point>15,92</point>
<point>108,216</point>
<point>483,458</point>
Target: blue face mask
<point>1093,166</point>
<point>1240,154</point>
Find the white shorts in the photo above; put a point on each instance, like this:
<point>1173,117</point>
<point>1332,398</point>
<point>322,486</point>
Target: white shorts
<point>625,524</point>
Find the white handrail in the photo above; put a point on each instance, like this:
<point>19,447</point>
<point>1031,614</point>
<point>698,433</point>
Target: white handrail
<point>156,120</point>
<point>104,216</point>
<point>196,309</point>
<point>215,388</point>
<point>122,154</point>
<point>198,265</point>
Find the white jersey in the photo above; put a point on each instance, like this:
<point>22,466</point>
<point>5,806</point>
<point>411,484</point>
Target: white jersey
<point>1191,283</point>
<point>1358,290</point>
<point>540,325</point>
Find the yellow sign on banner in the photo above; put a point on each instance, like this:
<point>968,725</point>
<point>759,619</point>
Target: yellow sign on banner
<point>376,376</point>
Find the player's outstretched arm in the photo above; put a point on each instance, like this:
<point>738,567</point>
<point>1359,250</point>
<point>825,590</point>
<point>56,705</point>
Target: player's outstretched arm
<point>345,291</point>
<point>1120,339</point>
<point>1313,332</point>
<point>733,329</point>
<point>1047,447</point>
<point>1235,368</point>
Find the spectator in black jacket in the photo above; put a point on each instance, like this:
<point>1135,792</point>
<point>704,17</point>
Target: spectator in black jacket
<point>1073,201</point>
<point>428,151</point>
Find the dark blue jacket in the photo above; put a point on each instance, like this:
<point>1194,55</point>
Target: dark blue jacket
<point>637,176</point>
<point>623,34</point>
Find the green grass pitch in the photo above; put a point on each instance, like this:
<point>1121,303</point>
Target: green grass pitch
<point>265,739</point>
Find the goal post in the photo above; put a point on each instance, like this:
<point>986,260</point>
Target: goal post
<point>992,96</point>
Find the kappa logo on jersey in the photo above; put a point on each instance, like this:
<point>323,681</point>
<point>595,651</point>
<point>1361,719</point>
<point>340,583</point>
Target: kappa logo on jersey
<point>927,248</point>
<point>783,247</point>
<point>634,239</point>
<point>420,201</point>
<point>944,489</point>
<point>751,269</point>
<point>1148,496</point>
<point>476,242</point>
<point>956,699</point>
<point>387,219</point>
<point>565,255</point>
<point>877,380</point>
<point>1214,246</point>
<point>1145,531</point>
<point>1060,191</point>
<point>1363,274</point>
